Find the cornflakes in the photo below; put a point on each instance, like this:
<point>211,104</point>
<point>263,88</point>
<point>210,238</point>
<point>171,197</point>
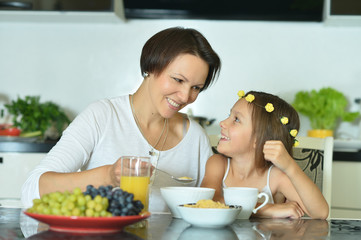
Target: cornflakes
<point>207,203</point>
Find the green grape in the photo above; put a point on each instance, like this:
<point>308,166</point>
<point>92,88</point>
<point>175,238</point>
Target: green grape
<point>76,212</point>
<point>89,212</point>
<point>105,202</point>
<point>72,198</point>
<point>45,198</point>
<point>103,213</point>
<point>97,199</point>
<point>98,207</point>
<point>47,210</point>
<point>88,198</point>
<point>39,208</point>
<point>63,209</point>
<point>91,204</point>
<point>77,191</point>
<point>81,200</point>
<point>56,211</point>
<point>70,206</point>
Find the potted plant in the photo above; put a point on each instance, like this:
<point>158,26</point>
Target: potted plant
<point>324,108</point>
<point>34,118</point>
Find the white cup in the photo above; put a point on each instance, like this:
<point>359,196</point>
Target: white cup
<point>245,197</point>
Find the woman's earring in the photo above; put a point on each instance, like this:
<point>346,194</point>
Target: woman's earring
<point>145,74</point>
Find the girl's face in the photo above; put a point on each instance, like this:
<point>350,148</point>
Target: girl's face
<point>178,85</point>
<point>236,131</point>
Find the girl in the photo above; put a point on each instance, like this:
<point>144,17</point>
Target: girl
<point>256,146</point>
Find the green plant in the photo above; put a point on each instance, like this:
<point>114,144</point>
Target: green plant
<point>324,108</point>
<point>30,115</point>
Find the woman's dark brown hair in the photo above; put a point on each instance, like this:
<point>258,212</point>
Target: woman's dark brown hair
<point>161,49</point>
<point>268,126</point>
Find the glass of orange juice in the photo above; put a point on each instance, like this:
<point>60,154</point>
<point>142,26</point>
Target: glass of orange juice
<point>135,177</point>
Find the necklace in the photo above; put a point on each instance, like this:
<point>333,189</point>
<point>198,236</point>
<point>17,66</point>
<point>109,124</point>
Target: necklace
<point>151,152</point>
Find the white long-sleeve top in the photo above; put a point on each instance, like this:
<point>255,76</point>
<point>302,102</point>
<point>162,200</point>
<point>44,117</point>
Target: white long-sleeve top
<point>106,130</point>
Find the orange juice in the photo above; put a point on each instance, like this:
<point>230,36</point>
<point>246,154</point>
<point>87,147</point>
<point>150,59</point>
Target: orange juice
<point>138,186</point>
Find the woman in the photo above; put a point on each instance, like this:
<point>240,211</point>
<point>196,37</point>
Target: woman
<point>177,64</point>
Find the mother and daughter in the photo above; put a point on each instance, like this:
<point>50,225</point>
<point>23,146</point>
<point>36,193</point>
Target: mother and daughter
<point>177,64</point>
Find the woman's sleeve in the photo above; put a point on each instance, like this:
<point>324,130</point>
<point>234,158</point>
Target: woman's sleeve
<point>71,152</point>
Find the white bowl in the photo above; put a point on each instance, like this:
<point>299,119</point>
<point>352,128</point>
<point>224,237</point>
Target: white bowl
<point>175,196</point>
<point>209,217</point>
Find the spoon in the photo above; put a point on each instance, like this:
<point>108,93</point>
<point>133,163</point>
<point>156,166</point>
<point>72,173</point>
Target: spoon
<point>178,179</point>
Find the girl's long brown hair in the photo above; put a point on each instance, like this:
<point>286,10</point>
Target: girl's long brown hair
<point>268,126</point>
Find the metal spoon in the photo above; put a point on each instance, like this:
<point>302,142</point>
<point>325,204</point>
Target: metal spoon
<point>178,179</point>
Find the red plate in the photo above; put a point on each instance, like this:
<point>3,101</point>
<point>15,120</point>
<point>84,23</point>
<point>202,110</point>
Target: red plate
<point>87,224</point>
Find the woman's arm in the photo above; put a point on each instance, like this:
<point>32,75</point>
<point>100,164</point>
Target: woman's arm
<point>104,175</point>
<point>294,184</point>
<point>214,174</point>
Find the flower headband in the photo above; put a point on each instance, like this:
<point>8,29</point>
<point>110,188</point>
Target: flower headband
<point>269,108</point>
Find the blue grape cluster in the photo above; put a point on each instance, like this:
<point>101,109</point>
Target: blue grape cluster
<point>121,203</point>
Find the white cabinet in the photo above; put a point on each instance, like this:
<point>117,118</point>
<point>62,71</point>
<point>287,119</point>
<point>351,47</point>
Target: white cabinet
<point>14,169</point>
<point>346,191</point>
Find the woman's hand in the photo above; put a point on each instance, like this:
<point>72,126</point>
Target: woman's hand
<point>115,170</point>
<point>275,152</point>
<point>115,173</point>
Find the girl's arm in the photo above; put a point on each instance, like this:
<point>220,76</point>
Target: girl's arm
<point>214,174</point>
<point>295,185</point>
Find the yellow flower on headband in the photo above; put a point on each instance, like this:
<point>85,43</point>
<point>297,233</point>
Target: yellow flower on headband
<point>240,93</point>
<point>296,143</point>
<point>293,132</point>
<point>250,98</point>
<point>269,107</point>
<point>284,120</point>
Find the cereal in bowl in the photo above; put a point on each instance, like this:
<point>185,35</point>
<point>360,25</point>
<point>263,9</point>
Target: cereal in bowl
<point>206,203</point>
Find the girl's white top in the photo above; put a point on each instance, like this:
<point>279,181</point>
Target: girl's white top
<point>106,130</point>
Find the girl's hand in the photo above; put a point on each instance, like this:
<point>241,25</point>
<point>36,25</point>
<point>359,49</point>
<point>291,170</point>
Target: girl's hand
<point>275,152</point>
<point>282,210</point>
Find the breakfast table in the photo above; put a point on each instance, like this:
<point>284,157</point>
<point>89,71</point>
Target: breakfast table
<point>14,224</point>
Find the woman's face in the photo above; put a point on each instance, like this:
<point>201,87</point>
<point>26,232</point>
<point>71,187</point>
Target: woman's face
<point>178,85</point>
<point>236,131</point>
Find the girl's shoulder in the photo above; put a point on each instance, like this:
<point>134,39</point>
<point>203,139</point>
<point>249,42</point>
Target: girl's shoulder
<point>217,160</point>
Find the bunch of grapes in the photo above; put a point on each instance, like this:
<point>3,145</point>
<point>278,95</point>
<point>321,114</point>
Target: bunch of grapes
<point>94,202</point>
<point>121,203</point>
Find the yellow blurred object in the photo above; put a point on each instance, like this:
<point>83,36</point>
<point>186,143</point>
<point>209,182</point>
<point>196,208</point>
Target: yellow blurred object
<point>320,133</point>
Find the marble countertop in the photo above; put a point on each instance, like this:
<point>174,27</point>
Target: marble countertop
<point>14,224</point>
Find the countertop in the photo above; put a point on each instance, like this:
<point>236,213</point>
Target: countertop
<point>14,224</point>
<point>26,147</point>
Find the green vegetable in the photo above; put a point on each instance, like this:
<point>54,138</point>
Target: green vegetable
<point>324,108</point>
<point>30,115</point>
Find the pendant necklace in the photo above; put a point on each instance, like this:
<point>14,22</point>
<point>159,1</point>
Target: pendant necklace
<point>151,152</point>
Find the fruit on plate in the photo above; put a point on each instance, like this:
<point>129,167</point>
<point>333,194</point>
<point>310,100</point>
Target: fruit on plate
<point>94,202</point>
<point>9,130</point>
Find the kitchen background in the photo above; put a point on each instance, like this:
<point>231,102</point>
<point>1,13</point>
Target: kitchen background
<point>76,63</point>
<point>76,59</point>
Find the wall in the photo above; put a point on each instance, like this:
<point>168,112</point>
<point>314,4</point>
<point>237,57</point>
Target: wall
<point>74,64</point>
